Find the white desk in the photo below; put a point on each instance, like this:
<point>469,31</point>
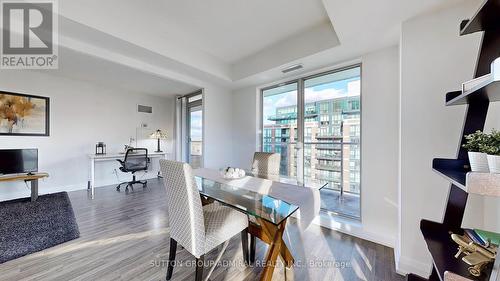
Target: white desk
<point>112,157</point>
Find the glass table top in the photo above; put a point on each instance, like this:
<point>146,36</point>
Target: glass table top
<point>290,180</point>
<point>253,203</point>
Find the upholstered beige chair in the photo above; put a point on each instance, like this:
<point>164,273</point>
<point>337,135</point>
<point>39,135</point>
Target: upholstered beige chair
<point>199,229</point>
<point>266,164</point>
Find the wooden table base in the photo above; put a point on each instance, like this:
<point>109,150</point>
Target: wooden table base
<point>273,236</point>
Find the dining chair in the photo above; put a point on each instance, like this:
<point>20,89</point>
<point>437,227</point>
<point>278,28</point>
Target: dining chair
<point>266,164</point>
<point>198,229</point>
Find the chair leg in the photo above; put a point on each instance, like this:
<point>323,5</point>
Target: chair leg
<point>252,249</point>
<point>199,268</point>
<point>244,245</point>
<point>171,258</point>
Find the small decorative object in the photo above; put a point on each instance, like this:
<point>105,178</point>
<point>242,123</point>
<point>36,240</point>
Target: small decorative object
<point>477,158</point>
<point>100,148</point>
<point>159,135</point>
<point>23,115</point>
<point>233,173</point>
<point>492,148</point>
<point>476,256</point>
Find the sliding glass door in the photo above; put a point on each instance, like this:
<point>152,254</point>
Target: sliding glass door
<point>195,130</point>
<point>320,139</point>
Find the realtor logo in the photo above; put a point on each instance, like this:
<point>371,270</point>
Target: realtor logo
<point>28,35</point>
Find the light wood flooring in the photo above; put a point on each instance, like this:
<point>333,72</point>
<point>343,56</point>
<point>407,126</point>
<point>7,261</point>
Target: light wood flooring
<point>125,237</point>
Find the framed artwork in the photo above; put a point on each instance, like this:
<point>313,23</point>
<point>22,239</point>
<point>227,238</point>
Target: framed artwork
<point>24,115</point>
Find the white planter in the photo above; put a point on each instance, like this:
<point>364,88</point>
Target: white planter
<point>478,162</point>
<point>494,163</point>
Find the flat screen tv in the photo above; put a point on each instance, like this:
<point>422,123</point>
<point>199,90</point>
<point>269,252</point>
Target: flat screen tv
<point>15,161</point>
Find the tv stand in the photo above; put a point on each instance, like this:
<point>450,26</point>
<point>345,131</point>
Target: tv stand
<point>30,177</point>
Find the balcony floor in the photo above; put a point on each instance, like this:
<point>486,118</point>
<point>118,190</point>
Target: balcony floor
<point>349,205</point>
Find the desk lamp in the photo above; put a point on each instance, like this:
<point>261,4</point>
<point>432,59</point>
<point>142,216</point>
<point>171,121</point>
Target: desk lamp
<point>159,135</point>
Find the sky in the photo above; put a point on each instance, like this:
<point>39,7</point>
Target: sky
<point>343,88</point>
<point>196,126</point>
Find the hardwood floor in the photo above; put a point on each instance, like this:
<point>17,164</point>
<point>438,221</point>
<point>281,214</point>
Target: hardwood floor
<point>125,237</point>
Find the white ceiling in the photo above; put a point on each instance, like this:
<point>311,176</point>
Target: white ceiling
<point>226,29</point>
<point>106,73</point>
<point>233,29</point>
<point>234,43</point>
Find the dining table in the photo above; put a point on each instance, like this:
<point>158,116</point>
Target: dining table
<point>269,201</point>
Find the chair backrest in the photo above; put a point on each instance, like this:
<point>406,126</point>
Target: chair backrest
<point>136,159</point>
<point>266,163</point>
<point>184,206</point>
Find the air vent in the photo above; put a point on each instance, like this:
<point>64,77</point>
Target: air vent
<point>144,108</point>
<point>292,68</point>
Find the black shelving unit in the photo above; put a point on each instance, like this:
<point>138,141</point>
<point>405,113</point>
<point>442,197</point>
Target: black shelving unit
<point>437,235</point>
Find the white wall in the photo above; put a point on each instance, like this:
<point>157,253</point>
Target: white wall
<point>217,142</point>
<point>81,115</point>
<point>379,144</point>
<point>434,60</point>
<point>245,126</point>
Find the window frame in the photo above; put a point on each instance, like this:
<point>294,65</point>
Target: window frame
<point>302,111</point>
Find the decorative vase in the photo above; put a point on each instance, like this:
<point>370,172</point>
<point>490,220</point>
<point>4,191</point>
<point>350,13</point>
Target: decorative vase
<point>478,162</point>
<point>494,163</point>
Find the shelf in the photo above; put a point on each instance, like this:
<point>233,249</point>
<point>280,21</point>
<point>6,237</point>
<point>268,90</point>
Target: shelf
<point>457,172</point>
<point>443,250</point>
<point>453,170</point>
<point>486,18</point>
<point>482,89</point>
<point>490,93</point>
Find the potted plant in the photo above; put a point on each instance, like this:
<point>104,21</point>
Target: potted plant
<point>492,148</point>
<point>478,159</point>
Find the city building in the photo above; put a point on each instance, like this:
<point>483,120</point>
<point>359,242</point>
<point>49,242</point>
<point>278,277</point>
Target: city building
<point>331,142</point>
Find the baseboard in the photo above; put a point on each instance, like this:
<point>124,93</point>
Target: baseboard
<point>25,192</point>
<point>22,191</point>
<point>354,228</point>
<point>405,265</point>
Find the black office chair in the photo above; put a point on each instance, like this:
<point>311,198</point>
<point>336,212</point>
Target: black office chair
<point>136,159</point>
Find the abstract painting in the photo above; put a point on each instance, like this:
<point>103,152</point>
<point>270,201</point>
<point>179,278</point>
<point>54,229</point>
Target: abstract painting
<point>23,115</point>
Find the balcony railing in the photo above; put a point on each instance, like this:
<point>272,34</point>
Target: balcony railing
<point>319,170</point>
<point>329,137</point>
<point>287,116</point>
<point>326,167</point>
<point>328,157</point>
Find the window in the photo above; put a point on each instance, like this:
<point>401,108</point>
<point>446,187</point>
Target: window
<point>329,128</point>
<point>354,130</point>
<point>279,113</point>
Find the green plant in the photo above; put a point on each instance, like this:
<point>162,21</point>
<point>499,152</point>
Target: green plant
<point>491,145</point>
<point>476,141</point>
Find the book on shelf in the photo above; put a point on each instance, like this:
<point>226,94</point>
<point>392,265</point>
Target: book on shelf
<point>474,237</point>
<point>492,237</point>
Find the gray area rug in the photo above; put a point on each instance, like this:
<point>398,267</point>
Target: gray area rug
<point>27,227</point>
